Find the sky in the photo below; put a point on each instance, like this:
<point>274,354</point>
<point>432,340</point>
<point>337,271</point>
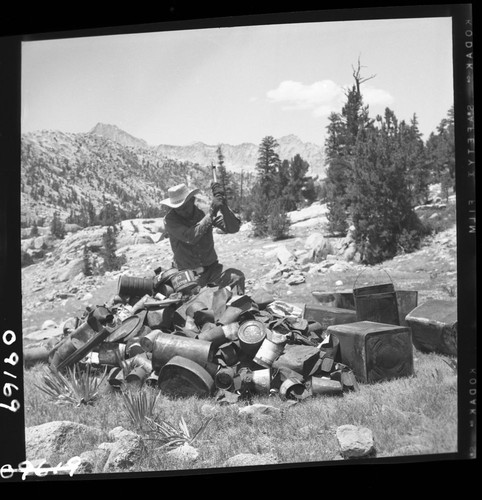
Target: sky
<point>237,84</point>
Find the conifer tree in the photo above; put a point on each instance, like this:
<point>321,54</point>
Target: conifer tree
<point>340,144</point>
<point>441,153</point>
<point>57,227</point>
<point>87,267</point>
<point>381,203</point>
<point>111,261</point>
<point>267,186</point>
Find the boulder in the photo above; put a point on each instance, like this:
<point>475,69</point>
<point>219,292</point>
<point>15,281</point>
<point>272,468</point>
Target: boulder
<point>184,453</point>
<point>126,451</point>
<point>71,270</point>
<point>92,461</point>
<point>355,442</point>
<point>47,441</point>
<point>283,255</point>
<point>318,246</point>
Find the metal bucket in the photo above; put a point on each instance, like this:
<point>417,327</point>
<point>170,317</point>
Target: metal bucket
<point>251,335</point>
<point>377,303</point>
<point>268,352</point>
<point>132,286</point>
<point>167,345</point>
<point>183,281</point>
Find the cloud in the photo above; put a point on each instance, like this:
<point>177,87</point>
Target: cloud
<point>376,97</point>
<point>322,97</point>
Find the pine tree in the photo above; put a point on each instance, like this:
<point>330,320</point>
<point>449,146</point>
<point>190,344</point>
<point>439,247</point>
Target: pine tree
<point>381,203</point>
<point>57,227</point>
<point>441,153</point>
<point>340,145</point>
<point>267,186</point>
<point>267,167</point>
<point>111,261</point>
<point>259,211</point>
<point>87,266</point>
<point>278,222</point>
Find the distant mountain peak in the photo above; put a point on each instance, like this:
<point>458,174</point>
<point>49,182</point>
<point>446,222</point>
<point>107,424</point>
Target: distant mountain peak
<point>114,133</point>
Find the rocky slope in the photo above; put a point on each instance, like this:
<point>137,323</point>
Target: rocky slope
<point>75,173</point>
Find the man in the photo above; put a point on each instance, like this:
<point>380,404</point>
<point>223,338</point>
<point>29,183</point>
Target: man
<point>190,231</point>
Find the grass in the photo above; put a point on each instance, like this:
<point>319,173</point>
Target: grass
<point>404,415</point>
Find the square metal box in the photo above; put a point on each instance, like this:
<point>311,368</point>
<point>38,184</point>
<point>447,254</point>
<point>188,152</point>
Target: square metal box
<point>375,351</point>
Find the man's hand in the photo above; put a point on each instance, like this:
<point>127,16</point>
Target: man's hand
<point>216,204</point>
<point>217,190</point>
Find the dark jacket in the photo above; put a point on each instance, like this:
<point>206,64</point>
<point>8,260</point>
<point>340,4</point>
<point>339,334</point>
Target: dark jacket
<point>192,240</point>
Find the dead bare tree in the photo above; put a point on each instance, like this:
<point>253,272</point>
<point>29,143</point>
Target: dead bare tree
<point>357,76</point>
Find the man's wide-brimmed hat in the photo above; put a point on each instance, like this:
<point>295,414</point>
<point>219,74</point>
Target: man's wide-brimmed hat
<point>178,195</point>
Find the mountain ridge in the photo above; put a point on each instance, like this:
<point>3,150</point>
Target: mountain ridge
<point>237,157</point>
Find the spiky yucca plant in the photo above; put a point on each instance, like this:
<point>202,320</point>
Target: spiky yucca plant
<point>139,405</point>
<point>172,437</point>
<point>78,386</point>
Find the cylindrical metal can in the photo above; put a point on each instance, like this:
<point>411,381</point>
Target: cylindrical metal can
<point>251,335</point>
<point>111,353</point>
<point>261,380</point>
<point>292,388</point>
<point>167,345</point>
<point>268,352</point>
<point>147,341</point>
<point>63,351</point>
<point>182,281</point>
<point>133,286</point>
<point>325,386</point>
<point>224,377</point>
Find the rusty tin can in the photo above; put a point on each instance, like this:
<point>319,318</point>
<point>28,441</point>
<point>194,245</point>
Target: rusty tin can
<point>167,345</point>
<point>183,281</point>
<point>251,335</point>
<point>270,350</point>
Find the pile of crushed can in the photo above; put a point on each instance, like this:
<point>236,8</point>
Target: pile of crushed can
<point>169,333</point>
